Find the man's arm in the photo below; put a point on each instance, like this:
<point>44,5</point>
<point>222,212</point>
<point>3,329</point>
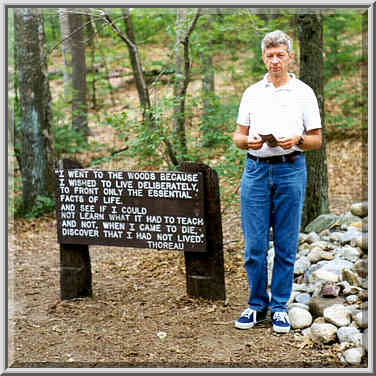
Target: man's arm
<point>242,141</point>
<point>312,140</point>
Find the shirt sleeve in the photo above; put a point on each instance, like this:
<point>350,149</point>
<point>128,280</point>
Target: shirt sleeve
<point>311,112</point>
<point>244,115</point>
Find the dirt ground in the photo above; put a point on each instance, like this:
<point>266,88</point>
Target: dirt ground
<point>139,293</point>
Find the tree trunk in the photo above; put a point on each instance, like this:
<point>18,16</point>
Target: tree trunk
<point>35,142</point>
<point>79,100</point>
<point>208,86</point>
<point>67,53</point>
<point>182,76</point>
<point>311,72</point>
<point>142,88</point>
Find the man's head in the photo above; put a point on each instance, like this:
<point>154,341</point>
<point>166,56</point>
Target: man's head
<point>277,53</point>
<point>276,38</point>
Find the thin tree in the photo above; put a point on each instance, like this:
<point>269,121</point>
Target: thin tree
<point>310,30</point>
<point>139,76</point>
<point>183,29</point>
<point>79,91</point>
<point>66,53</point>
<point>207,73</point>
<point>34,149</point>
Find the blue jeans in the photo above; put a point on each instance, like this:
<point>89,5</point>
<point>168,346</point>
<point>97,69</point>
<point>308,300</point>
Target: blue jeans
<point>272,196</point>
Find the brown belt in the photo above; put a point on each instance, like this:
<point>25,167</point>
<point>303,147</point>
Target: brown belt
<point>290,158</point>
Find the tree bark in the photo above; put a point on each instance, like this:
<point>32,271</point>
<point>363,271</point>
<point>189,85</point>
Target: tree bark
<point>182,75</point>
<point>33,132</point>
<point>142,88</point>
<point>208,84</point>
<point>311,72</point>
<point>79,100</point>
<point>66,52</point>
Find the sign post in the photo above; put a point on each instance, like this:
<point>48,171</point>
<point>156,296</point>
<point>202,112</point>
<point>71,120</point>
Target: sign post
<point>138,209</point>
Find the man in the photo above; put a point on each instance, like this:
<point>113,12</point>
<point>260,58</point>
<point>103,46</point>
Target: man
<point>274,177</point>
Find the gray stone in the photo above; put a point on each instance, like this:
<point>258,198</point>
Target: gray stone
<point>316,254</point>
<point>302,238</point>
<point>361,268</point>
<point>351,234</point>
<point>337,265</point>
<point>349,334</point>
<point>360,209</point>
<point>318,304</point>
<point>323,332</point>
<point>353,356</point>
<point>364,283</point>
<point>321,223</point>
<point>365,340</point>
<point>337,315</point>
<point>349,219</point>
<point>351,277</point>
<point>334,236</point>
<point>299,318</point>
<point>312,237</point>
<point>324,275</point>
<point>303,298</point>
<point>361,319</point>
<point>351,253</point>
<point>324,245</point>
<point>361,241</point>
<point>351,299</point>
<point>330,290</point>
<point>301,265</point>
<point>298,305</point>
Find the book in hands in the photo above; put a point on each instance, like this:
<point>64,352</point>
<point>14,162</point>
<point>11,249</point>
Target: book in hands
<point>270,140</point>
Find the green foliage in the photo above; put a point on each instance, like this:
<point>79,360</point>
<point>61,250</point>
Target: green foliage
<point>42,205</point>
<point>66,140</point>
<point>347,105</point>
<point>342,35</point>
<point>217,121</point>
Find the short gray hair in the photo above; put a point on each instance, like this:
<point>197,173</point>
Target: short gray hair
<point>275,38</point>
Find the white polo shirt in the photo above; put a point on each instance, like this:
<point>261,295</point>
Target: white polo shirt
<point>285,111</point>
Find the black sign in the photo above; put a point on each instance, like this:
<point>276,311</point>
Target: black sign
<point>141,209</point>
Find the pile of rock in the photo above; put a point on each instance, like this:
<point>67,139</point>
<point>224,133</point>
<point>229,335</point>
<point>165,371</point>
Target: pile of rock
<point>329,301</point>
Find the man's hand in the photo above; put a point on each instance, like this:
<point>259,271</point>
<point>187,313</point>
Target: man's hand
<point>255,142</point>
<point>287,142</point>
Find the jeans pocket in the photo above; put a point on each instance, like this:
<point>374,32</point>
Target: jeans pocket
<point>250,166</point>
<point>298,164</point>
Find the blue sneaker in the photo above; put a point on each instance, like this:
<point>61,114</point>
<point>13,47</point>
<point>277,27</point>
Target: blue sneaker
<point>281,323</point>
<point>249,318</point>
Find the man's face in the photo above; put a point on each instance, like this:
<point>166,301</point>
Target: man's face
<point>277,60</point>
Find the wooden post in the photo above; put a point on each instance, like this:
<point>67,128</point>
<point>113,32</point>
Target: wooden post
<point>75,266</point>
<point>205,270</point>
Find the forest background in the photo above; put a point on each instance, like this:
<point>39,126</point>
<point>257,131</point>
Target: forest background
<point>188,98</point>
<point>137,294</point>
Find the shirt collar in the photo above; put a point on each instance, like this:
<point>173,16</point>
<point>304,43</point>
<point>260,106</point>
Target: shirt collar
<point>287,86</point>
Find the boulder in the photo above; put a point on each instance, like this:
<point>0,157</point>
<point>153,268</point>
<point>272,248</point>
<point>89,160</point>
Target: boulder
<point>299,318</point>
<point>338,315</point>
<point>353,356</point>
<point>318,304</point>
<point>349,334</point>
<point>321,223</point>
<point>360,209</point>
<point>323,332</point>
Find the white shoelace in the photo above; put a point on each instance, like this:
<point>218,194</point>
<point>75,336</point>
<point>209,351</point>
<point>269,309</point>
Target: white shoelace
<point>247,312</point>
<point>281,316</point>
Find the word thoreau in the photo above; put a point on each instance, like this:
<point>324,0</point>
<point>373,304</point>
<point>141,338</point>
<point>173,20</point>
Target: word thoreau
<point>121,206</point>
